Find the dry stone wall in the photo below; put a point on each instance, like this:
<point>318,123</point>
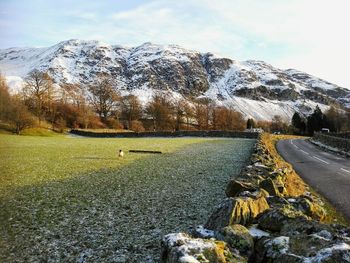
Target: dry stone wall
<point>341,143</point>
<point>229,134</point>
<point>262,220</point>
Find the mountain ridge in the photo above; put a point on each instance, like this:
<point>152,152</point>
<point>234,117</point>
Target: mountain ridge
<point>255,88</point>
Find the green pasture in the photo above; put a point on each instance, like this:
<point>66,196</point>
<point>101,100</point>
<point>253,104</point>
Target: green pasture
<point>71,199</point>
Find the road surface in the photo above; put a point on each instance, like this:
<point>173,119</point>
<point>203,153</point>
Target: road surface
<point>327,173</point>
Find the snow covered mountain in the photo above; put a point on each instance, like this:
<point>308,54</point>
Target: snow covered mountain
<point>254,88</point>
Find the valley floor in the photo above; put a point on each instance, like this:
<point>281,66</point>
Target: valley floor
<point>72,200</point>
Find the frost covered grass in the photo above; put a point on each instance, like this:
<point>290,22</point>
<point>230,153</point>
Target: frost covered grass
<point>71,199</point>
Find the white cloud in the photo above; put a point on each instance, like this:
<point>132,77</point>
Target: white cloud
<point>83,15</point>
<point>312,34</point>
<point>308,35</point>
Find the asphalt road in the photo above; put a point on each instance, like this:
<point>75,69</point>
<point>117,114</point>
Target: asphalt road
<point>327,173</point>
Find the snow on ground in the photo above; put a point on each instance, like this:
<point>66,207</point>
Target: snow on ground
<point>79,61</point>
<point>267,109</point>
<point>15,84</point>
<point>145,94</point>
<point>325,253</point>
<point>311,81</point>
<point>262,110</point>
<point>256,232</point>
<point>330,148</point>
<point>278,245</point>
<point>187,246</point>
<point>206,233</point>
<point>323,234</point>
<point>149,52</point>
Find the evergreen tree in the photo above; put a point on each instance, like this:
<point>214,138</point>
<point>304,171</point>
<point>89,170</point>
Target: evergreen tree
<point>316,121</point>
<point>250,123</point>
<point>298,123</point>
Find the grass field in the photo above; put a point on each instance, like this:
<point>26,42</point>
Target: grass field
<point>68,199</point>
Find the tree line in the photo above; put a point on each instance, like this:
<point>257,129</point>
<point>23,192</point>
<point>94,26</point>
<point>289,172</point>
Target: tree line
<point>334,119</point>
<point>41,103</point>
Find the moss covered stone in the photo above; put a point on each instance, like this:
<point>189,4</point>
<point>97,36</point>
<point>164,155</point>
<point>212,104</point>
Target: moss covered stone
<point>310,208</point>
<point>237,237</point>
<point>239,210</point>
<point>235,187</point>
<point>274,219</point>
<point>274,186</point>
<point>183,248</point>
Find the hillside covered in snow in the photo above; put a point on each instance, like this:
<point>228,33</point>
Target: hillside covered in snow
<point>255,88</point>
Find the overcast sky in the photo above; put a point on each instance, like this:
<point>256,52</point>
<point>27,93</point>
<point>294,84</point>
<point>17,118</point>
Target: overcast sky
<point>309,35</point>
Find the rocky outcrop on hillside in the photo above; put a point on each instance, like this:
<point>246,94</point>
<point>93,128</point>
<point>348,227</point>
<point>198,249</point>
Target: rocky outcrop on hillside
<point>254,88</point>
<point>264,219</point>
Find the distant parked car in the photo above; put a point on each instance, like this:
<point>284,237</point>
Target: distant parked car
<point>324,130</point>
<point>259,130</point>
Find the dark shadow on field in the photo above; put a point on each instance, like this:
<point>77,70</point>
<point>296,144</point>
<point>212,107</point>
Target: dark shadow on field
<point>93,158</point>
<point>116,213</point>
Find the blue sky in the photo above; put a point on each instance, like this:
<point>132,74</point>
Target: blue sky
<point>308,35</point>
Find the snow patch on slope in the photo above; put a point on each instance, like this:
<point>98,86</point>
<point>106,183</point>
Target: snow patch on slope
<point>15,84</point>
<point>148,68</point>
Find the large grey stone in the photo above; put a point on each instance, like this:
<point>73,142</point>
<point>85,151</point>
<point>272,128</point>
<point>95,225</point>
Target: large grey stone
<point>239,210</point>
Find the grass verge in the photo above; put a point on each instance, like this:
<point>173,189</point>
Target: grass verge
<point>295,184</point>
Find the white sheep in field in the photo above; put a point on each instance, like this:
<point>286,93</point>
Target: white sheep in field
<point>121,153</point>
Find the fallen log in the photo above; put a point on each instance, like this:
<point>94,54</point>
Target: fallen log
<point>142,151</point>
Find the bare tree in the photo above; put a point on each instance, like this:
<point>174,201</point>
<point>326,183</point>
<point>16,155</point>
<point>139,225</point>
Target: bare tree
<point>227,119</point>
<point>4,98</point>
<point>183,114</point>
<point>131,109</point>
<point>335,119</point>
<point>74,96</point>
<point>189,114</point>
<point>203,113</point>
<point>38,89</point>
<point>103,97</point>
<point>277,124</point>
<point>19,116</point>
<point>179,112</point>
<point>236,121</point>
<point>161,109</point>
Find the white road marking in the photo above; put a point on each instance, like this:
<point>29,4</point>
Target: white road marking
<point>320,160</point>
<point>304,152</point>
<point>295,145</point>
<point>345,170</point>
